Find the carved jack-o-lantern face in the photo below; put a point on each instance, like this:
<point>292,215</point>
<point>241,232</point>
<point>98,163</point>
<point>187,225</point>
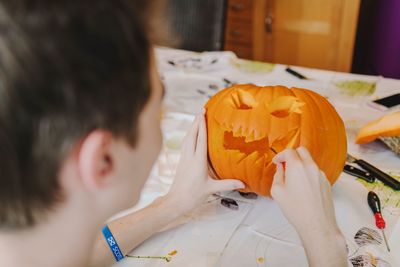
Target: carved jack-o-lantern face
<point>248,125</point>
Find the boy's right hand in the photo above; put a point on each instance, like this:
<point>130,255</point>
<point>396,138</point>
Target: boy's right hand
<point>302,191</point>
<point>304,195</point>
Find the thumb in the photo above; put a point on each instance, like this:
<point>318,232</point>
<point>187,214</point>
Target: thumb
<point>224,185</point>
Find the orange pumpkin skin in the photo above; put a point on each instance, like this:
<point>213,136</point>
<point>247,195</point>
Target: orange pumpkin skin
<point>247,125</point>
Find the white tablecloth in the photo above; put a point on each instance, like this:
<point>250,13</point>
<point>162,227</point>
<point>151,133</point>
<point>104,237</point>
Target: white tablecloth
<point>257,234</point>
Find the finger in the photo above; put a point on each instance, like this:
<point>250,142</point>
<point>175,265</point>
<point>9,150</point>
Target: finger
<point>201,147</point>
<point>288,154</point>
<point>278,181</point>
<point>276,192</point>
<point>279,175</point>
<point>308,161</point>
<point>211,171</point>
<point>224,185</point>
<point>323,177</point>
<point>326,190</point>
<point>325,185</point>
<point>292,166</point>
<point>189,143</point>
<point>305,155</point>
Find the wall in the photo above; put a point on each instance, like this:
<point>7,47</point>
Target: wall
<point>377,49</point>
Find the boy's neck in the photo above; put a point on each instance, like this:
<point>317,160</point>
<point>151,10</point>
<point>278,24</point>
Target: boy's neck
<point>65,239</point>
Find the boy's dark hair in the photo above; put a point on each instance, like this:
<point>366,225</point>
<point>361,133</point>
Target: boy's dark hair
<point>66,68</point>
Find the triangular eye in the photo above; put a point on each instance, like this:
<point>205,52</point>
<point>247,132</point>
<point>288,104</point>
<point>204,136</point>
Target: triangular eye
<point>283,106</point>
<point>242,100</point>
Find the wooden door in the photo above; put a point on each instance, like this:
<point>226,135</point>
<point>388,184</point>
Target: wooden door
<point>312,33</point>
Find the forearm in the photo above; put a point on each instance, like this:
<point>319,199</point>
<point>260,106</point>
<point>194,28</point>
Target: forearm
<point>192,185</point>
<point>132,229</point>
<point>325,248</point>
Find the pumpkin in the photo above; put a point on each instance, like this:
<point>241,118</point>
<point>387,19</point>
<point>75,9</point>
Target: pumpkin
<point>386,126</point>
<point>248,125</point>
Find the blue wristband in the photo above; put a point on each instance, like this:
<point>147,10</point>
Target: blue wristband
<point>112,243</point>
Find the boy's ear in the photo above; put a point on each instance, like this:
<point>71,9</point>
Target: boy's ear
<point>95,159</point>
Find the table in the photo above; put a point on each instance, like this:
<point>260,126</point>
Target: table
<point>257,234</point>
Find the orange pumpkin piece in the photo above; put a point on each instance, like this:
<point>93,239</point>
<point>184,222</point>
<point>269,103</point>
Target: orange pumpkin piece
<point>248,125</point>
<point>386,126</point>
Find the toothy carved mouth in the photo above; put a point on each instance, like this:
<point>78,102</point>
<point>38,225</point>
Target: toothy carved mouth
<point>262,146</point>
<point>239,143</point>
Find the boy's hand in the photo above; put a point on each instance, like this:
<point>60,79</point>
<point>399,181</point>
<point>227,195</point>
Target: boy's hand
<point>304,195</point>
<point>302,190</point>
<point>192,184</point>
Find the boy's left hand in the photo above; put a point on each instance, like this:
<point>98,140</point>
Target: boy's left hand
<point>192,184</point>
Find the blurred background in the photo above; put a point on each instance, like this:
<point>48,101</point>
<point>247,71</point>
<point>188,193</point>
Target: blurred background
<point>359,36</point>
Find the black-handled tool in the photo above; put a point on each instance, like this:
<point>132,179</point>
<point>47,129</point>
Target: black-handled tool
<point>295,73</point>
<point>366,176</point>
<point>375,204</point>
<point>378,174</point>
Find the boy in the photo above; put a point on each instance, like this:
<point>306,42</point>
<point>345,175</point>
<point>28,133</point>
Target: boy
<point>79,113</point>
